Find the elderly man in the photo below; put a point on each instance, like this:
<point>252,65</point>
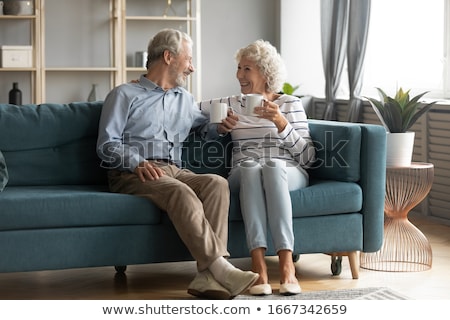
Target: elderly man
<point>142,127</point>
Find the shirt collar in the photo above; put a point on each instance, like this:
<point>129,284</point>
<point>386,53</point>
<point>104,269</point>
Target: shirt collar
<point>147,83</point>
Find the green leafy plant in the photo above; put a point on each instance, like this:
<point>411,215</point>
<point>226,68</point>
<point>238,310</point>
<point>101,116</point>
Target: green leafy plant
<point>398,114</point>
<point>289,89</point>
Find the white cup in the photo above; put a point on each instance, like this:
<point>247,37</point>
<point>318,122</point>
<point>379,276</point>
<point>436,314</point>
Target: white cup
<point>218,112</point>
<point>252,100</point>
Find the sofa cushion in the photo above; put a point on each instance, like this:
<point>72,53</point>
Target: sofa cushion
<point>325,197</point>
<point>46,207</point>
<point>3,172</point>
<point>320,198</point>
<point>338,146</point>
<point>51,144</point>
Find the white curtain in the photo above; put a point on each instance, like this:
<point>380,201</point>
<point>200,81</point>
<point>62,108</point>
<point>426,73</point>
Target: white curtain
<point>358,27</point>
<point>344,28</point>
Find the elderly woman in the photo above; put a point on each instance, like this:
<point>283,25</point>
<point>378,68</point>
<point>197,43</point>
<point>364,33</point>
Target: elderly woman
<point>270,153</point>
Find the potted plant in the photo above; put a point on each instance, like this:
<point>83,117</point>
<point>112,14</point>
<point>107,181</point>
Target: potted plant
<point>307,100</point>
<point>289,88</point>
<point>397,115</point>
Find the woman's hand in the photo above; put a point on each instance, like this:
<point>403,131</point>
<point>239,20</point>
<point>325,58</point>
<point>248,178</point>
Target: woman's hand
<point>271,111</point>
<point>228,123</point>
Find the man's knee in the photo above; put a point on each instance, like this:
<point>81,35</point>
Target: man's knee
<point>219,183</point>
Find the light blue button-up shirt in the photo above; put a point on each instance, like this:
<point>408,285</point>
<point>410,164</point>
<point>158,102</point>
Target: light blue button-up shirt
<point>142,121</point>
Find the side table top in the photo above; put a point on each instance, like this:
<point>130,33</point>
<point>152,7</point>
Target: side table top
<point>414,165</point>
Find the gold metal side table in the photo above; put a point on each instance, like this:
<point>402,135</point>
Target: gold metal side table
<point>405,247</point>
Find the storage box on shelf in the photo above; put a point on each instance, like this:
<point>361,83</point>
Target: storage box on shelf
<point>16,56</point>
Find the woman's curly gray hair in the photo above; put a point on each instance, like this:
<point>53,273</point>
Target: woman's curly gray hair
<point>268,61</point>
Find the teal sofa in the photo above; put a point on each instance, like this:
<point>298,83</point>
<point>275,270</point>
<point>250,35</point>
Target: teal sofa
<point>56,211</point>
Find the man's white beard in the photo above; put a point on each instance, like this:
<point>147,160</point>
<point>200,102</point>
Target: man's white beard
<point>181,80</point>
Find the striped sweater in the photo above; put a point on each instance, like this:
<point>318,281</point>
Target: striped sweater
<point>259,139</point>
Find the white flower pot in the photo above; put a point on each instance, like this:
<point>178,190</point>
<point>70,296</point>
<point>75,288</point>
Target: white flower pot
<point>399,149</point>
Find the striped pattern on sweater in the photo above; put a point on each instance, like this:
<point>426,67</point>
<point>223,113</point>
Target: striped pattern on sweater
<point>258,139</point>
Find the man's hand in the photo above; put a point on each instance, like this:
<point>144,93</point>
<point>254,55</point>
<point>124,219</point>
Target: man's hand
<point>228,123</point>
<point>147,171</point>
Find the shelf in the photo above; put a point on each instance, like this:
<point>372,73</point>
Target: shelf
<point>135,69</point>
<point>93,69</point>
<point>17,69</point>
<point>11,17</point>
<point>159,18</point>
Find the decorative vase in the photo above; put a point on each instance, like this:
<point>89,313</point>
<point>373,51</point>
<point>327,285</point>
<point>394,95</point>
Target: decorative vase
<point>93,93</point>
<point>399,149</point>
<point>15,95</point>
<point>18,7</point>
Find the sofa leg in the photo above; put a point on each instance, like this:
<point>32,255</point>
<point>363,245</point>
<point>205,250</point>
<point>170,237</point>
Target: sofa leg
<point>336,263</point>
<point>354,263</point>
<point>120,269</point>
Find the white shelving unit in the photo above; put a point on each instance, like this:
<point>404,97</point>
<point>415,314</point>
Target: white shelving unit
<point>145,18</point>
<point>29,29</point>
<point>79,46</point>
<point>80,43</point>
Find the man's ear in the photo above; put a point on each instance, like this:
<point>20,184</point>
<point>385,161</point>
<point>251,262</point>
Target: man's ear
<point>167,56</point>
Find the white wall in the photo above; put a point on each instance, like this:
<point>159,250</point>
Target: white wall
<point>227,26</point>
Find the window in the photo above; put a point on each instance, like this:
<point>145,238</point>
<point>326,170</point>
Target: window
<point>407,46</point>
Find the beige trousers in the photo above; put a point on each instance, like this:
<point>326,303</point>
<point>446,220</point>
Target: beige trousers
<point>197,205</point>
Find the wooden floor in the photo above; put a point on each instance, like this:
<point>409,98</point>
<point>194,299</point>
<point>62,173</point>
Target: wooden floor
<point>170,280</point>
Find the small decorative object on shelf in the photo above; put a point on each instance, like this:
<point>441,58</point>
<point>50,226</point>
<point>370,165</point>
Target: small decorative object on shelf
<point>93,94</point>
<point>141,59</point>
<point>15,95</point>
<point>169,8</point>
<point>18,7</point>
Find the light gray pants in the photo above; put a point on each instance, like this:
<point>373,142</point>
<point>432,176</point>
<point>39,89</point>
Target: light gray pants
<point>197,205</point>
<point>266,202</point>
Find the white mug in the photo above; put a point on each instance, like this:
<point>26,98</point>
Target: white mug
<point>218,112</point>
<point>252,100</point>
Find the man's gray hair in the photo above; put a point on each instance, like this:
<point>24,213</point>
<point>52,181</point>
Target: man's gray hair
<point>166,39</point>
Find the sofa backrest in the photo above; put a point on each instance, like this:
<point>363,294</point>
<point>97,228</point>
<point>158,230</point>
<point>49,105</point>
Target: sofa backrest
<point>51,144</point>
<point>338,148</point>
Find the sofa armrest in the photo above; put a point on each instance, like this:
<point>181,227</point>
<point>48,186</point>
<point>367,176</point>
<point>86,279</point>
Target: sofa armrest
<point>373,184</point>
<point>355,152</point>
